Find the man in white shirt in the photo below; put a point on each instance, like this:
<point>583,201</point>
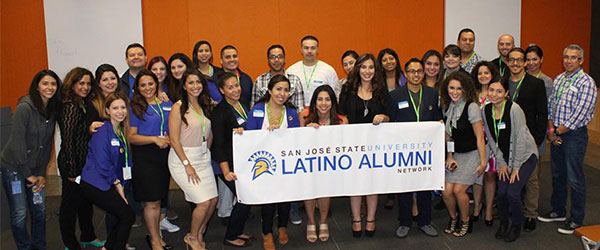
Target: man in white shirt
<point>313,72</point>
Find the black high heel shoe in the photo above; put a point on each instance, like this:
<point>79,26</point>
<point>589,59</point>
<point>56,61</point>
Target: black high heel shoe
<point>149,241</point>
<point>475,218</point>
<point>370,233</point>
<point>357,234</point>
<point>489,223</point>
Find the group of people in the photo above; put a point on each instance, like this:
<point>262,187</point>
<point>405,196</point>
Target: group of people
<point>124,138</point>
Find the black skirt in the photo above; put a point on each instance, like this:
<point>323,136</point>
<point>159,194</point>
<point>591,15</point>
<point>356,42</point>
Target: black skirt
<point>150,173</point>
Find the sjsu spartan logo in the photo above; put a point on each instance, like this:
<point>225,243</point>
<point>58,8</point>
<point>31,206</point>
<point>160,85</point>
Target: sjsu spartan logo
<point>264,163</point>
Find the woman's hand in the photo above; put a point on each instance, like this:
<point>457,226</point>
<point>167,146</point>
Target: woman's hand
<point>480,169</point>
<point>503,173</point>
<point>161,142</point>
<point>313,124</point>
<point>230,176</point>
<point>514,175</point>
<point>94,126</point>
<point>379,119</point>
<point>33,180</point>
<point>191,173</point>
<point>119,189</point>
<point>451,164</point>
<point>41,184</point>
<point>272,127</point>
<point>163,97</point>
<point>238,131</point>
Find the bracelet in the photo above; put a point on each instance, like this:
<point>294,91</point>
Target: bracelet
<point>551,129</point>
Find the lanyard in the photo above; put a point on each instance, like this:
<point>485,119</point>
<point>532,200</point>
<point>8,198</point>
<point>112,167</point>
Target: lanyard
<point>237,75</point>
<point>121,137</point>
<point>269,114</point>
<point>563,86</point>
<point>500,66</point>
<point>311,74</point>
<point>538,74</point>
<point>496,129</point>
<point>200,120</point>
<point>162,116</point>
<point>417,109</point>
<point>242,114</point>
<point>470,57</point>
<point>518,88</point>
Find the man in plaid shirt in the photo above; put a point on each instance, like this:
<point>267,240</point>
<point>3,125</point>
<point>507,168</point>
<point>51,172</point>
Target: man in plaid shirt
<point>570,109</point>
<point>276,59</point>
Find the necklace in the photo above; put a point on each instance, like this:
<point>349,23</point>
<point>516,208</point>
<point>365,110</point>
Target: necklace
<point>366,105</point>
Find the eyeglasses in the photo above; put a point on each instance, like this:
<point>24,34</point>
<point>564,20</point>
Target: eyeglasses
<point>571,58</point>
<point>516,60</point>
<point>415,71</point>
<point>273,57</point>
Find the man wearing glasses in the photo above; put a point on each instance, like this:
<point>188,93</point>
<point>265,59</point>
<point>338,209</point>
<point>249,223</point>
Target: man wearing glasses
<point>530,93</point>
<point>571,108</point>
<point>276,60</point>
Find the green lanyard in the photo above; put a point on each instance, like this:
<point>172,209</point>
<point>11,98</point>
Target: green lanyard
<point>417,109</point>
<point>500,66</point>
<point>470,57</point>
<point>496,129</point>
<point>237,75</point>
<point>538,74</point>
<point>121,137</point>
<point>563,86</point>
<point>243,113</point>
<point>311,74</point>
<point>200,120</point>
<point>162,116</point>
<point>269,114</point>
<point>518,88</point>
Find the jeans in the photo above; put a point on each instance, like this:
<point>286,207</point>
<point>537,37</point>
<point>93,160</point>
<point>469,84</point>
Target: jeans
<point>567,165</point>
<point>509,196</point>
<point>19,201</point>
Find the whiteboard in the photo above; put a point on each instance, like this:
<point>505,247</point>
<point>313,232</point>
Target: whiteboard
<point>87,33</point>
<point>488,18</point>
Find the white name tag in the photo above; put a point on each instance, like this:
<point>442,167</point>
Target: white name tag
<point>166,108</point>
<point>402,105</point>
<point>204,147</point>
<point>127,173</point>
<point>240,121</point>
<point>78,179</point>
<point>501,125</point>
<point>450,146</point>
<point>258,113</point>
<point>114,142</point>
<point>574,89</point>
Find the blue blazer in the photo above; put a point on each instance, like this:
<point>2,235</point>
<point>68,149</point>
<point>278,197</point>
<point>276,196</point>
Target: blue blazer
<point>105,159</point>
<point>255,122</point>
<point>429,111</point>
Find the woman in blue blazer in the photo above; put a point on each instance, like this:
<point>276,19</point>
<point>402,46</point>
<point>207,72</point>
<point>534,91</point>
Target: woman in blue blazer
<point>274,111</point>
<point>108,167</point>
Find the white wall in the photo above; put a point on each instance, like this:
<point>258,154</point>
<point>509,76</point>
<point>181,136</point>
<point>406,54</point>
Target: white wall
<point>488,18</point>
<point>87,33</point>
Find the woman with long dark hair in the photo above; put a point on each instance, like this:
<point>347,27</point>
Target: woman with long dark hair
<point>25,157</point>
<point>348,59</point>
<point>158,66</point>
<point>433,65</point>
<point>71,159</point>
<point>178,64</point>
<point>389,65</point>
<point>189,157</point>
<point>203,57</point>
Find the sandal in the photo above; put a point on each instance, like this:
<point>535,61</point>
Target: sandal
<point>465,228</point>
<point>311,233</point>
<point>451,225</point>
<point>323,232</point>
<point>370,233</point>
<point>356,234</point>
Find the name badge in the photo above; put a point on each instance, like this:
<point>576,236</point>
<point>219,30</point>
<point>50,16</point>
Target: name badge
<point>318,81</point>
<point>166,108</point>
<point>16,187</point>
<point>240,121</point>
<point>258,113</point>
<point>501,125</point>
<point>204,147</point>
<point>78,179</point>
<point>450,146</point>
<point>402,105</point>
<point>114,142</point>
<point>574,89</point>
<point>127,173</point>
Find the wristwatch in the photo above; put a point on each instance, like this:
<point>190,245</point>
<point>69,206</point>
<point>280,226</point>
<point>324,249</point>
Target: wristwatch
<point>185,162</point>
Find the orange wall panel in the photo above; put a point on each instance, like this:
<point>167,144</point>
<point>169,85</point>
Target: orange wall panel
<point>553,25</point>
<point>23,48</point>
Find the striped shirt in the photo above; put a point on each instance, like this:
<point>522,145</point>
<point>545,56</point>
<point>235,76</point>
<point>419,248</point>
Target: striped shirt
<point>470,64</point>
<point>573,100</point>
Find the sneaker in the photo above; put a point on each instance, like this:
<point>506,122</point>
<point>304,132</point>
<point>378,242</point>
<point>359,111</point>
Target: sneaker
<point>429,230</point>
<point>172,215</point>
<point>529,225</point>
<point>568,227</point>
<point>402,231</point>
<point>138,222</point>
<point>295,217</point>
<point>551,217</point>
<point>165,224</point>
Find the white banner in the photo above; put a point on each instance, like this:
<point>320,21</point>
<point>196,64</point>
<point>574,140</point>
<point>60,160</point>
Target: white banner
<point>344,160</point>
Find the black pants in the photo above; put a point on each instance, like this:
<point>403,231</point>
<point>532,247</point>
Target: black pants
<point>508,196</point>
<point>405,203</point>
<point>114,205</point>
<point>74,206</point>
<point>238,217</point>
<point>268,211</point>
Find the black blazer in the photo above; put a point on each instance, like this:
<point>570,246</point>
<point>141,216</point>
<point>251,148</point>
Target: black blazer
<point>124,81</point>
<point>430,111</point>
<point>532,99</point>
